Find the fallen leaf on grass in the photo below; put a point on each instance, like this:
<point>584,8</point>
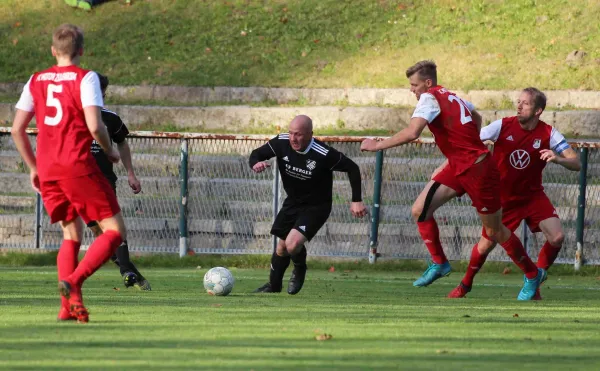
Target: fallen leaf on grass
<point>506,270</point>
<point>441,351</point>
<point>516,315</point>
<point>216,305</point>
<point>323,337</point>
<point>116,289</point>
<point>331,269</point>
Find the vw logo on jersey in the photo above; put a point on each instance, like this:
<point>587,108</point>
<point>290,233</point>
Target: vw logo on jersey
<point>519,159</point>
<point>311,164</point>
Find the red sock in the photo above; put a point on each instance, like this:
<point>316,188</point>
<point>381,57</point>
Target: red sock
<point>431,236</point>
<point>548,255</point>
<point>514,248</point>
<point>98,253</point>
<point>475,264</point>
<point>66,262</point>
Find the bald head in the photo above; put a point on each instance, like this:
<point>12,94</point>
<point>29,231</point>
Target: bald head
<point>301,132</point>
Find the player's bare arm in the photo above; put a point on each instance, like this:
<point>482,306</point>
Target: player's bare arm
<point>93,120</point>
<point>22,119</point>
<point>477,119</point>
<point>567,158</point>
<point>406,135</point>
<point>125,153</point>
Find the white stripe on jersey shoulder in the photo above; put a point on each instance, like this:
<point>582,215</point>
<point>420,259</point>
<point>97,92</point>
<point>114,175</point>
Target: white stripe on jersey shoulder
<point>109,111</point>
<point>319,148</point>
<point>284,136</point>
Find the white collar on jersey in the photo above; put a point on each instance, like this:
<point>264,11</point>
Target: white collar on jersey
<point>307,148</point>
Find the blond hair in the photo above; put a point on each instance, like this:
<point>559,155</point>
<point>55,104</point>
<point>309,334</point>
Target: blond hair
<point>67,40</point>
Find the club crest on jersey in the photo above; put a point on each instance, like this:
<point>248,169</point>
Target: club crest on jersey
<point>537,143</point>
<point>311,164</point>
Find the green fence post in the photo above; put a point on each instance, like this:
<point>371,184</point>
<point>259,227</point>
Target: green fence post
<point>373,255</point>
<point>579,260</point>
<point>183,182</point>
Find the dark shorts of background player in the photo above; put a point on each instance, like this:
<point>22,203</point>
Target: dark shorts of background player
<point>306,219</point>
<point>94,223</point>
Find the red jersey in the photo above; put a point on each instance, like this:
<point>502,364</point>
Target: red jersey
<point>57,96</point>
<point>449,119</point>
<point>517,153</point>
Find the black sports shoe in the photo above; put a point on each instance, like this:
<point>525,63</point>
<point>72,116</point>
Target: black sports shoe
<point>129,279</point>
<point>266,288</point>
<point>297,280</point>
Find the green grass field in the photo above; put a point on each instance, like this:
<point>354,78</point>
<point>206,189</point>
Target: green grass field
<point>377,320</point>
<point>479,44</point>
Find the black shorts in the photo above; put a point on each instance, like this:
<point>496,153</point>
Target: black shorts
<point>306,219</point>
<point>94,223</point>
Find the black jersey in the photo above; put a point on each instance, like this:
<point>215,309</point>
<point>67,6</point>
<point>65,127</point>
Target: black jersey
<point>308,175</point>
<point>117,131</point>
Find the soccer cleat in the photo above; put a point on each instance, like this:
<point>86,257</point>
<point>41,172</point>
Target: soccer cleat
<point>434,272</point>
<point>459,291</point>
<point>65,315</point>
<point>537,296</point>
<point>296,280</point>
<point>80,313</point>
<point>266,288</point>
<point>544,275</point>
<point>129,279</point>
<point>530,286</point>
<point>81,4</point>
<point>143,285</point>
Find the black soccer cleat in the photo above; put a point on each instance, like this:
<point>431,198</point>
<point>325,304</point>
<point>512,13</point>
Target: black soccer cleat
<point>266,288</point>
<point>129,279</point>
<point>297,280</point>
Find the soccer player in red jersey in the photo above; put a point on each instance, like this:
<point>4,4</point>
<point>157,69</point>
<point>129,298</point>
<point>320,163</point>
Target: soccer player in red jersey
<point>66,101</point>
<point>455,125</point>
<point>523,146</point>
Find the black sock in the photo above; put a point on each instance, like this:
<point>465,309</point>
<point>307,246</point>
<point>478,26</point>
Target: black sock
<point>124,262</point>
<point>278,266</point>
<point>299,259</point>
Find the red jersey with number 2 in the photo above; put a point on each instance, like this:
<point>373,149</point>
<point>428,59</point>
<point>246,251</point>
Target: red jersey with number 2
<point>64,140</point>
<point>455,133</point>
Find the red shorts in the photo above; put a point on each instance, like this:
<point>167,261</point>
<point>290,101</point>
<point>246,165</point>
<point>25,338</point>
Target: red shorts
<point>482,183</point>
<point>447,178</point>
<point>90,197</point>
<point>535,210</point>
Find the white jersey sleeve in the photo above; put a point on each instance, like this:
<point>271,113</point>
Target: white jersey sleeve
<point>428,107</point>
<point>558,143</point>
<point>491,132</point>
<point>25,103</point>
<point>91,94</point>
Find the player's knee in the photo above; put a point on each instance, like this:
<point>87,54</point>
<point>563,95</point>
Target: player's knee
<point>485,246</point>
<point>281,249</point>
<point>557,239</point>
<point>493,233</point>
<point>293,245</point>
<point>416,211</point>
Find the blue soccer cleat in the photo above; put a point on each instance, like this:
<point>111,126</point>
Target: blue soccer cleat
<point>530,286</point>
<point>432,273</point>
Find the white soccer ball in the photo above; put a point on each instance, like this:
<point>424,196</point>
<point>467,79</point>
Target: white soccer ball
<point>218,281</point>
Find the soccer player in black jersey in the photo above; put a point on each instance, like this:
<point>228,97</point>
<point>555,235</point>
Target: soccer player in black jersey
<point>306,166</point>
<point>118,133</point>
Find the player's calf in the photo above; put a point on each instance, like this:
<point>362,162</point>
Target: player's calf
<point>299,273</point>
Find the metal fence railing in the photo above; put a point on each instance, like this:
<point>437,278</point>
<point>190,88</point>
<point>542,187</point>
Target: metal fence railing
<point>199,194</point>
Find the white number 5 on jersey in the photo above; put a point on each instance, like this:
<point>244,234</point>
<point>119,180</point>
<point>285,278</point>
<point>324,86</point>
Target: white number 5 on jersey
<point>51,101</point>
<point>465,115</point>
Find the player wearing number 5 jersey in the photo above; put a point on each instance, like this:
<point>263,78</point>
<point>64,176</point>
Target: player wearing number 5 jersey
<point>66,101</point>
<point>455,125</point>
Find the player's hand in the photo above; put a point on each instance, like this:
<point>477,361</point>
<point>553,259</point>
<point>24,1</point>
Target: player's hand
<point>369,145</point>
<point>134,184</point>
<point>113,155</point>
<point>548,155</point>
<point>35,180</point>
<point>260,166</point>
<point>358,209</point>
